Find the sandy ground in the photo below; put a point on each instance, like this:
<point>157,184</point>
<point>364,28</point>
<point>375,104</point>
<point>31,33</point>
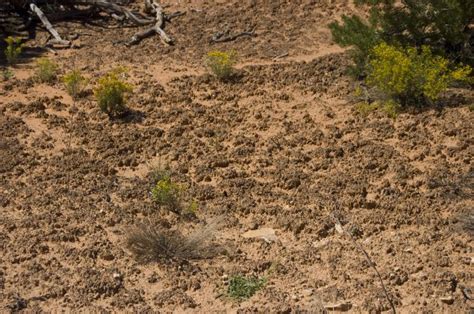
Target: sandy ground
<point>280,147</point>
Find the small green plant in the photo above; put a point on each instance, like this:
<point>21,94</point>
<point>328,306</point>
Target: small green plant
<point>111,93</point>
<point>13,50</point>
<point>364,108</point>
<point>167,193</point>
<point>7,74</point>
<point>409,76</point>
<point>75,83</point>
<point>192,208</point>
<point>241,287</point>
<point>46,70</point>
<point>221,63</point>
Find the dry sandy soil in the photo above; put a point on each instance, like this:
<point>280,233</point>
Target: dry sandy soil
<point>279,147</point>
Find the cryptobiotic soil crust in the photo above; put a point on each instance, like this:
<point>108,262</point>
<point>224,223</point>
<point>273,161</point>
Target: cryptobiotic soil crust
<point>281,147</point>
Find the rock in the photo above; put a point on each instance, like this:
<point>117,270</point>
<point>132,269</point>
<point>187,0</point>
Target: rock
<point>339,228</point>
<point>307,292</point>
<point>447,300</point>
<point>321,244</point>
<point>341,306</point>
<point>267,234</point>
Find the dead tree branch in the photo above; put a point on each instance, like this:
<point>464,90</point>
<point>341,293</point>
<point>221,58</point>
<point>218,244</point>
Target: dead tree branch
<point>47,10</point>
<point>155,8</point>
<point>48,25</point>
<point>221,37</point>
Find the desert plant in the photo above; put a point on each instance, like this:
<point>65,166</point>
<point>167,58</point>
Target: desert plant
<point>13,50</point>
<point>167,193</point>
<point>443,25</point>
<point>7,74</point>
<point>410,76</point>
<point>46,70</point>
<point>148,243</point>
<point>241,287</point>
<point>221,63</point>
<point>111,93</point>
<point>75,83</point>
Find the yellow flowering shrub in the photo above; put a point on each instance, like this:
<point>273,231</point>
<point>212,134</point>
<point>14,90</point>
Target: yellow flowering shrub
<point>46,70</point>
<point>221,63</point>
<point>111,93</point>
<point>75,83</point>
<point>13,50</point>
<point>412,76</point>
<point>167,193</point>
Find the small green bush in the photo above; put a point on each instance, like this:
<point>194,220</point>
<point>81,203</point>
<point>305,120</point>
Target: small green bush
<point>241,287</point>
<point>364,108</point>
<point>75,83</point>
<point>221,63</point>
<point>409,76</point>
<point>7,74</point>
<point>13,50</point>
<point>167,193</point>
<point>111,93</point>
<point>46,70</point>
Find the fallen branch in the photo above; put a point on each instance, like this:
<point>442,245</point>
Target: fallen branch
<point>222,37</point>
<point>154,7</point>
<point>47,24</point>
<point>48,10</point>
<point>339,227</point>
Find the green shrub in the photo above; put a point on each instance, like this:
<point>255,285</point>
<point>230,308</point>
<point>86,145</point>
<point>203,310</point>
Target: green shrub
<point>221,63</point>
<point>364,108</point>
<point>409,76</point>
<point>111,93</point>
<point>13,50</point>
<point>46,70</point>
<point>167,193</point>
<point>75,83</point>
<point>241,287</point>
<point>443,25</point>
<point>7,74</point>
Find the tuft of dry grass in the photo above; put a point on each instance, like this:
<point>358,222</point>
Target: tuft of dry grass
<point>150,244</point>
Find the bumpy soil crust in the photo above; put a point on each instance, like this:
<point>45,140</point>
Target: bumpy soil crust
<point>281,146</point>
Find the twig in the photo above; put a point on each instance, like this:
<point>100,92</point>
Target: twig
<point>371,263</point>
<point>220,38</point>
<point>285,54</point>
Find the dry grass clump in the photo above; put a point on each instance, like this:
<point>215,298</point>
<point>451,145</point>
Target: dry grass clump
<point>150,244</point>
